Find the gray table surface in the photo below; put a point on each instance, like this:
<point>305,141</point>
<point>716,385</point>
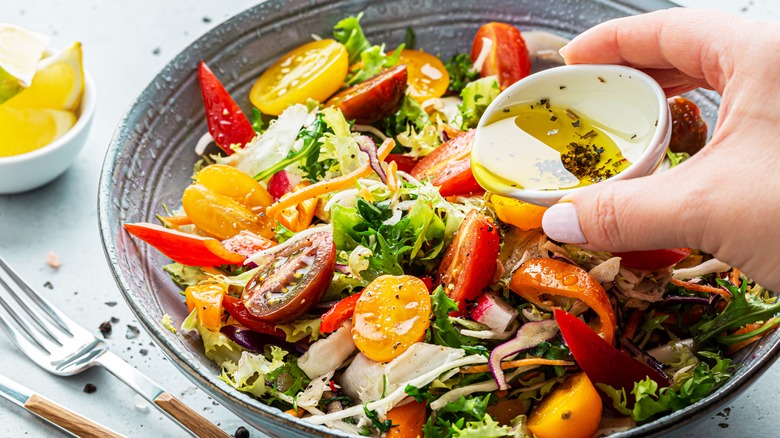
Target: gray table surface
<point>125,44</point>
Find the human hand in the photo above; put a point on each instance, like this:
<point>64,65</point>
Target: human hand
<point>725,200</point>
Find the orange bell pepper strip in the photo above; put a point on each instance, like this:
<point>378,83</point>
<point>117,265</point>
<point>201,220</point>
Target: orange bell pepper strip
<point>187,249</point>
<point>330,185</point>
<point>206,298</point>
<point>297,218</point>
<point>537,278</point>
<point>407,420</point>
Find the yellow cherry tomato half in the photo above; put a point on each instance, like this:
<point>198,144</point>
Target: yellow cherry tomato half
<point>224,201</point>
<point>572,410</point>
<point>315,70</point>
<point>391,315</point>
<point>206,297</point>
<point>521,214</point>
<point>426,75</point>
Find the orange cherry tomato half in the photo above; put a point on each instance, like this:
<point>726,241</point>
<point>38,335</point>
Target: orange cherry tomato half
<point>224,201</point>
<point>427,76</point>
<point>391,315</point>
<point>470,261</point>
<point>537,279</point>
<point>572,410</point>
<point>518,213</point>
<point>508,56</point>
<point>206,298</point>
<point>293,280</point>
<point>314,70</point>
<point>449,167</point>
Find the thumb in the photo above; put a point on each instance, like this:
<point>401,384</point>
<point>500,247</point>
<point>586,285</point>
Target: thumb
<point>652,212</point>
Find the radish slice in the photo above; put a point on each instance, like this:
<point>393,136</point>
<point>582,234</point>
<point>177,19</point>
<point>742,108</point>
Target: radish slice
<point>494,312</point>
<point>530,335</point>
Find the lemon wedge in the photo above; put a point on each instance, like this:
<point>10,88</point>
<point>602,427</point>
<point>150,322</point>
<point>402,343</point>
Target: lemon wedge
<point>58,83</point>
<point>24,130</point>
<point>20,51</point>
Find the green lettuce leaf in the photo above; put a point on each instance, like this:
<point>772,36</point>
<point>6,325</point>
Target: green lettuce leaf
<point>485,428</point>
<point>650,400</point>
<point>452,418</point>
<point>185,276</point>
<point>301,328</point>
<point>349,33</point>
<point>743,309</point>
<point>476,97</point>
<point>461,72</point>
<point>442,330</point>
<point>373,61</point>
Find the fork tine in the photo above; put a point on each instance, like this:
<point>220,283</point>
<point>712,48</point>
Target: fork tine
<point>60,318</point>
<point>25,325</point>
<point>56,333</point>
<point>32,351</point>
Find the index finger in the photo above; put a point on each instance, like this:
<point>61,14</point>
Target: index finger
<point>687,40</point>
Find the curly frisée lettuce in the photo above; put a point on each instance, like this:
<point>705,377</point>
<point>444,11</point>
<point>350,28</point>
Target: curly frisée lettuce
<point>273,377</point>
<point>372,59</point>
<point>477,96</point>
<point>650,400</point>
<point>427,222</point>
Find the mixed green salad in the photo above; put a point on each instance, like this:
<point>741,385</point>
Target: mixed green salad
<point>341,263</point>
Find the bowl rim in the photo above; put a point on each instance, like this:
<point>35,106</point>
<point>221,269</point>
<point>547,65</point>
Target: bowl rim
<point>233,399</point>
<point>85,115</point>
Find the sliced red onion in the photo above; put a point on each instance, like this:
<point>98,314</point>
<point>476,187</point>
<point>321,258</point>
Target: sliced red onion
<point>642,356</point>
<point>529,336</point>
<point>254,341</point>
<point>369,147</point>
<point>672,301</point>
<point>341,267</point>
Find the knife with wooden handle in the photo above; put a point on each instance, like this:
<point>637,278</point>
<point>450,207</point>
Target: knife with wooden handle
<point>58,415</point>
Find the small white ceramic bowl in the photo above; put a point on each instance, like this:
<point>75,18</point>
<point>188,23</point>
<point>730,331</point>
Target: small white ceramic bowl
<point>620,98</point>
<point>20,173</point>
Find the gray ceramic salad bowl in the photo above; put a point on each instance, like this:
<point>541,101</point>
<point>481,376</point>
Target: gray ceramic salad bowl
<point>151,156</point>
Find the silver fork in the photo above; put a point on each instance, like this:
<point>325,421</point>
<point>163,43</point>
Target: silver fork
<point>60,346</point>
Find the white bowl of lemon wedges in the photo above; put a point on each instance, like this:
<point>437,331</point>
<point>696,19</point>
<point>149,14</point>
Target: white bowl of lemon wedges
<point>47,102</point>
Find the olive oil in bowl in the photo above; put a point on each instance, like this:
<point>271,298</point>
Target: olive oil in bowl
<point>551,148</point>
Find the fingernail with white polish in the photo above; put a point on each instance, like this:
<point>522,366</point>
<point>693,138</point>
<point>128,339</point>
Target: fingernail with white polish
<point>561,223</point>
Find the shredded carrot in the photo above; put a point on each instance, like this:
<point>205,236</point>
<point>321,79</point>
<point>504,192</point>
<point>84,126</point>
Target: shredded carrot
<point>734,277</point>
<point>392,176</point>
<point>327,186</point>
<point>747,329</point>
<point>531,361</point>
<point>633,325</point>
<point>295,413</point>
<point>702,288</point>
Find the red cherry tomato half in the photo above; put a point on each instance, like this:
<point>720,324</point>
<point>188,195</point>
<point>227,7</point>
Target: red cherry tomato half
<point>449,167</point>
<point>470,261</point>
<point>235,308</point>
<point>652,259</point>
<point>293,280</point>
<point>507,57</point>
<point>405,163</point>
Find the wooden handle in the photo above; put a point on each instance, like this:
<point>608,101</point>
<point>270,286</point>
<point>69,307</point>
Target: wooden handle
<point>67,419</point>
<point>192,420</point>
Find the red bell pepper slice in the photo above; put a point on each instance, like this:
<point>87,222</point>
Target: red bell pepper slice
<point>187,249</point>
<point>600,361</point>
<point>227,123</point>
<point>340,312</point>
<point>652,259</point>
<point>235,308</point>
